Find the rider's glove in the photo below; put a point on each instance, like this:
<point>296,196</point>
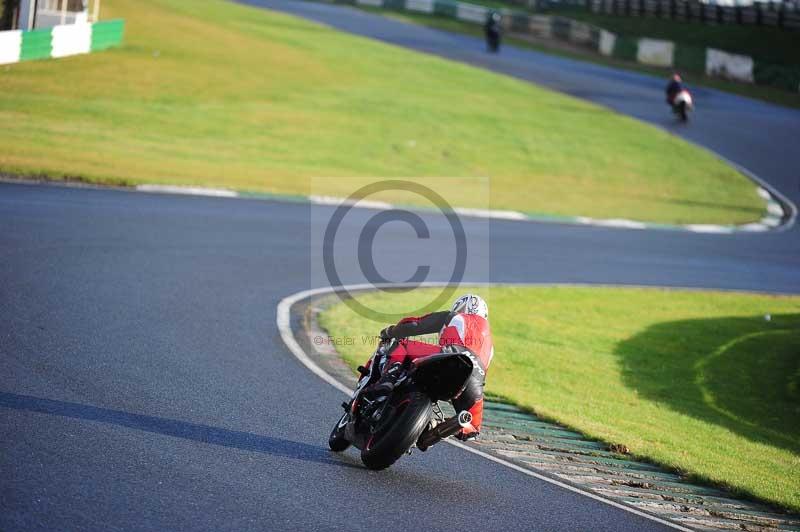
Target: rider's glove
<point>387,333</point>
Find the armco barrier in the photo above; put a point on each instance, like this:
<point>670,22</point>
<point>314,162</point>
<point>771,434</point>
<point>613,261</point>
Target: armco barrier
<point>732,66</point>
<point>420,6</point>
<point>520,22</point>
<point>560,26</point>
<point>655,52</point>
<point>540,26</point>
<point>59,41</point>
<point>607,42</point>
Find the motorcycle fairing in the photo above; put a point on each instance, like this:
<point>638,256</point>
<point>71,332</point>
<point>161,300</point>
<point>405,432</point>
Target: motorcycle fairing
<point>442,376</point>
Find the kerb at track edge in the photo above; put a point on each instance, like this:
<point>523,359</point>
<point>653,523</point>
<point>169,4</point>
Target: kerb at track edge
<point>284,320</point>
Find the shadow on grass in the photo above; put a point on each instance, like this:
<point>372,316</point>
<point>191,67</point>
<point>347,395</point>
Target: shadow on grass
<point>742,374</point>
<point>175,428</point>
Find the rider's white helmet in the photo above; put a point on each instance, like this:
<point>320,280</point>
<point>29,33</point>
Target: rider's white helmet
<point>471,304</point>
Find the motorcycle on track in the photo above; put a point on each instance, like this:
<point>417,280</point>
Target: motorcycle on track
<point>385,428</point>
<point>492,29</point>
<point>682,104</point>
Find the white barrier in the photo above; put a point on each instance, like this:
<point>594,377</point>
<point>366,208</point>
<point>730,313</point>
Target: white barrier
<point>471,13</point>
<point>607,42</point>
<point>10,46</point>
<point>655,52</point>
<point>540,26</point>
<point>420,6</point>
<point>731,66</point>
<point>72,39</point>
<point>580,33</point>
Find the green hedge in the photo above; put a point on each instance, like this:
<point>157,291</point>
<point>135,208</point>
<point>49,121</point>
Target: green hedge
<point>444,8</point>
<point>784,77</point>
<point>394,4</point>
<point>689,58</point>
<point>626,48</point>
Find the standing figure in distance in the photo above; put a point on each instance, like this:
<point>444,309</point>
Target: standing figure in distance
<point>492,29</point>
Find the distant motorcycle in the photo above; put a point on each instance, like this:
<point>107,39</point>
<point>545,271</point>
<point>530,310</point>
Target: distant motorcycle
<point>492,31</point>
<point>682,105</point>
<point>385,428</point>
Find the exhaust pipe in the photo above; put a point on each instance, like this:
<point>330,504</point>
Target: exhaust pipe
<point>445,429</point>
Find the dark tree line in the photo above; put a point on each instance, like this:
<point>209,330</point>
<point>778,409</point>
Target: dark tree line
<point>10,7</point>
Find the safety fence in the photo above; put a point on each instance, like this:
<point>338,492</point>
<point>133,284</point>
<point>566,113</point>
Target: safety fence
<point>779,14</point>
<point>655,52</point>
<point>59,41</point>
<point>710,61</point>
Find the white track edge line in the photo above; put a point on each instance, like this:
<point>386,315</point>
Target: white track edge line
<point>284,327</point>
<point>284,321</point>
<point>189,191</point>
<point>759,182</point>
<point>771,224</point>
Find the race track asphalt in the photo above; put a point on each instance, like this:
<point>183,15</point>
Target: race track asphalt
<point>143,385</point>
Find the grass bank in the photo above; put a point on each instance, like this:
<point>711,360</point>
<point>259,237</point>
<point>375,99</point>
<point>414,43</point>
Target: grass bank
<point>697,381</point>
<point>212,93</point>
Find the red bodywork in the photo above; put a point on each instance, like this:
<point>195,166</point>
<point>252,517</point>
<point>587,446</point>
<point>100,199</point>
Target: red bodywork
<point>467,330</point>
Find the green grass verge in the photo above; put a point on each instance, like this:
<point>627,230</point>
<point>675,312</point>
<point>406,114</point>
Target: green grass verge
<point>697,381</point>
<point>213,93</point>
<point>759,92</point>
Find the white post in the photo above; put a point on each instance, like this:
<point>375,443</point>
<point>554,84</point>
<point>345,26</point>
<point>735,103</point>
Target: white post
<point>96,15</point>
<point>63,11</point>
<point>27,12</point>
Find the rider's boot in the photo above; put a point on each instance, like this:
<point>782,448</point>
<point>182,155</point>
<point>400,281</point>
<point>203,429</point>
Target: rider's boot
<point>386,383</point>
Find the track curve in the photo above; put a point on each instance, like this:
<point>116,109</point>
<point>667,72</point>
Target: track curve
<point>144,386</point>
<point>757,136</point>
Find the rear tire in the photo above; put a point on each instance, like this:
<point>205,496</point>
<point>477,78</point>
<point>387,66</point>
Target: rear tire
<point>682,111</point>
<point>385,447</point>
<point>336,440</point>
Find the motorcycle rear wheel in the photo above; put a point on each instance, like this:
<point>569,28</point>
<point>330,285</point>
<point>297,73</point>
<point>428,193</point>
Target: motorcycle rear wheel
<point>385,447</point>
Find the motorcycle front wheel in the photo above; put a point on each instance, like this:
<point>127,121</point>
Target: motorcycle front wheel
<point>410,416</point>
<point>336,440</point>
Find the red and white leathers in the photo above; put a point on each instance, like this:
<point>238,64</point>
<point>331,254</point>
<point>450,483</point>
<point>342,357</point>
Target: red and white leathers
<point>465,330</point>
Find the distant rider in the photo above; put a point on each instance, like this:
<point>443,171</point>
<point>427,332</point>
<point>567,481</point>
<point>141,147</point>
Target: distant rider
<point>674,86</point>
<point>492,30</point>
<point>465,326</point>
